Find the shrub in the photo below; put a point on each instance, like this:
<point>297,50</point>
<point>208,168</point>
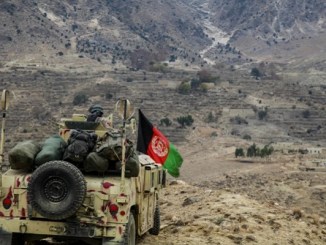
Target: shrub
<point>262,114</point>
<point>185,120</point>
<point>238,120</point>
<point>165,122</point>
<point>255,72</point>
<point>108,96</point>
<point>210,118</point>
<point>129,79</point>
<point>194,83</point>
<point>235,132</point>
<point>172,58</point>
<point>203,88</point>
<point>214,134</point>
<point>246,137</point>
<point>219,221</point>
<point>157,67</point>
<point>184,88</point>
<point>306,113</point>
<point>74,27</point>
<point>80,99</point>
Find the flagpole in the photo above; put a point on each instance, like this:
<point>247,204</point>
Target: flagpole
<point>123,141</point>
<point>4,107</point>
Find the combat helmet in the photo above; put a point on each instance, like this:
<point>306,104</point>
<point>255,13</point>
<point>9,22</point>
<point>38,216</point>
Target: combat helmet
<point>95,108</point>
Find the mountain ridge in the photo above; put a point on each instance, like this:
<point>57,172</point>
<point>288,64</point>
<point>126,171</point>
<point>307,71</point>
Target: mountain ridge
<point>135,33</point>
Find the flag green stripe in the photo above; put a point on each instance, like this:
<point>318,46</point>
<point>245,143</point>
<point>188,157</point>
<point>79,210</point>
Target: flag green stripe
<point>173,162</point>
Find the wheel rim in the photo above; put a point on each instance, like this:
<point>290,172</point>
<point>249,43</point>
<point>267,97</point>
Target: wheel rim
<point>55,189</point>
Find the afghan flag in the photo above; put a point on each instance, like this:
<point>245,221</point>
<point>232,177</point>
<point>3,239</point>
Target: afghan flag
<point>153,143</point>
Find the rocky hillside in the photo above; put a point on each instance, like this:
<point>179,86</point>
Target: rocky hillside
<point>139,34</point>
<point>270,29</point>
<point>132,32</point>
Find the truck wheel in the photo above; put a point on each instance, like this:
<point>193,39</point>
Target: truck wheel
<point>56,190</point>
<point>155,230</point>
<point>130,232</point>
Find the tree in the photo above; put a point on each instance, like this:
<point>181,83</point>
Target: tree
<point>239,152</point>
<point>266,151</point>
<point>252,150</point>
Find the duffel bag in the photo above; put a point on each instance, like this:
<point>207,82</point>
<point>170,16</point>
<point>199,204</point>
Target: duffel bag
<point>22,156</point>
<point>52,149</point>
<point>95,163</point>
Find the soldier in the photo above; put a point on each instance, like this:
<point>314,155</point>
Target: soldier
<point>97,116</point>
<point>96,112</point>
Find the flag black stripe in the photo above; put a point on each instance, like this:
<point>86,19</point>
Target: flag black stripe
<point>145,132</point>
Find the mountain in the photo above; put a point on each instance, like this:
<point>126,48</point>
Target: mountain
<point>137,33</point>
<point>274,29</point>
<point>133,32</point>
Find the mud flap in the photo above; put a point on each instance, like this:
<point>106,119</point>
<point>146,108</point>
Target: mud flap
<point>5,238</point>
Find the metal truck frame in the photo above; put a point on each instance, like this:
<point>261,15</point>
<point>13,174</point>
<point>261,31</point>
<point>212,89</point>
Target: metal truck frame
<point>58,201</point>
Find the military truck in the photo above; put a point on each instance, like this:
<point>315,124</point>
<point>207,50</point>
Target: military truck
<point>60,203</point>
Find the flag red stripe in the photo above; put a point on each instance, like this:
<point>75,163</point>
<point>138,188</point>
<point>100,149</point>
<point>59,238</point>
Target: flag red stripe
<point>159,146</point>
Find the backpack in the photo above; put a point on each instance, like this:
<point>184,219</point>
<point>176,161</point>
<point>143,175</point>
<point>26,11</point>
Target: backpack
<point>110,146</point>
<point>80,144</point>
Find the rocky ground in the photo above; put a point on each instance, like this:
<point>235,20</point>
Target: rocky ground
<point>268,202</point>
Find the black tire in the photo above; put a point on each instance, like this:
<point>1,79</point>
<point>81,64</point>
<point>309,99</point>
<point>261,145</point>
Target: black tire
<point>56,190</point>
<point>130,233</point>
<point>129,237</point>
<point>17,239</point>
<point>155,230</point>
